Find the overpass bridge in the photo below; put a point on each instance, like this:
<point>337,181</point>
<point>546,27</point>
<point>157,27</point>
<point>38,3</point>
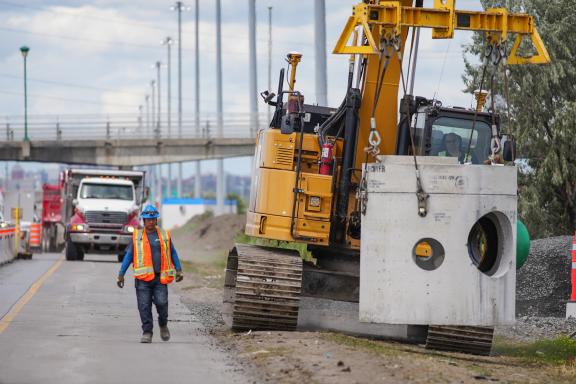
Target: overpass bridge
<point>125,140</point>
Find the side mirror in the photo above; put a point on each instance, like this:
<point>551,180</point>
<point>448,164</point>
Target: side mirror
<point>146,193</point>
<point>268,96</point>
<point>509,149</point>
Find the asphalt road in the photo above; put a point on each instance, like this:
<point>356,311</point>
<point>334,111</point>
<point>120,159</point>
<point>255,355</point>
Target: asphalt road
<point>76,326</point>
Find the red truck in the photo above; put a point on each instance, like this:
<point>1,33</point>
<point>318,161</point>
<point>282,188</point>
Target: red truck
<point>52,226</point>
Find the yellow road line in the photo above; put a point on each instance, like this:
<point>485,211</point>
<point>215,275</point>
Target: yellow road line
<point>7,319</point>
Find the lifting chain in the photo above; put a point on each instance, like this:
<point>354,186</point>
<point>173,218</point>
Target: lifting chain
<point>494,52</point>
<point>387,47</point>
<point>495,144</point>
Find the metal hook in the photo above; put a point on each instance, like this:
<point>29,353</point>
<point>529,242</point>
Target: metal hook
<point>374,138</point>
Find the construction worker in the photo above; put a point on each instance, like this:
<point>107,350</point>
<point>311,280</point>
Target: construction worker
<point>452,144</point>
<point>156,265</point>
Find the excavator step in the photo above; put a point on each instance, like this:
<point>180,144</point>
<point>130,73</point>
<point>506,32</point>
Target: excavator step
<point>473,340</point>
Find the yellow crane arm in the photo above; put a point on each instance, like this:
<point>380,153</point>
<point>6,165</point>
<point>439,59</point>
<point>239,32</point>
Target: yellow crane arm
<point>385,20</point>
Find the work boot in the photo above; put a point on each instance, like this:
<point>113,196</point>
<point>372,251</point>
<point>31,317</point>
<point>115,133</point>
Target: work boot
<point>146,337</point>
<point>165,333</point>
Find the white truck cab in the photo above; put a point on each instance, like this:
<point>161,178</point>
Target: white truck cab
<point>103,211</point>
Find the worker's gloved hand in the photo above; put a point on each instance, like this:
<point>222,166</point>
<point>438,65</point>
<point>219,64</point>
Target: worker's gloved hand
<point>179,276</point>
<point>120,282</point>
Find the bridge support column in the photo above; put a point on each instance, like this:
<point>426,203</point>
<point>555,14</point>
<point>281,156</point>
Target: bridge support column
<point>169,183</point>
<point>220,187</point>
<point>179,185</point>
<point>159,193</point>
<point>198,180</point>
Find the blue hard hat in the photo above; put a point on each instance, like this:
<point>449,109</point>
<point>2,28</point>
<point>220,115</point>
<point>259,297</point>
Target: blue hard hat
<point>150,212</point>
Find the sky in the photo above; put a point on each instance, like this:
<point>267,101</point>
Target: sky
<point>94,58</point>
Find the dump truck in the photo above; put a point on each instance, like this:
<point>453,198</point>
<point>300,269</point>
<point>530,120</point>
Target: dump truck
<point>407,208</point>
<point>100,209</point>
<point>52,225</point>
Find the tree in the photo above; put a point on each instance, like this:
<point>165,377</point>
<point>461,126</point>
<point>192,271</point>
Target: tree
<point>542,101</point>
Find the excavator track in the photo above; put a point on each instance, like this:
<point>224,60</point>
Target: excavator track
<point>262,288</point>
<point>262,292</point>
<point>472,340</point>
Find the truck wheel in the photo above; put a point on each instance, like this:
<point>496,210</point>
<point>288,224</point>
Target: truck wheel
<point>80,255</point>
<point>45,243</point>
<point>71,251</point>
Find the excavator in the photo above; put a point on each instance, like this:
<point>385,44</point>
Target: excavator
<point>391,215</point>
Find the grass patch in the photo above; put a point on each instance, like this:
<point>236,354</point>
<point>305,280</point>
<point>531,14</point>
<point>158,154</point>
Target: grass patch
<point>557,351</point>
<point>212,270</point>
<point>373,346</point>
<point>302,248</point>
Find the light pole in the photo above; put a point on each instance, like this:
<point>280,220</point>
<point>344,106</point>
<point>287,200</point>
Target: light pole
<point>220,186</point>
<point>252,75</point>
<point>269,59</point>
<point>168,43</point>
<point>159,93</point>
<point>147,99</point>
<point>153,87</point>
<point>140,117</point>
<point>320,52</point>
<point>198,177</point>
<point>179,7</point>
<point>24,50</point>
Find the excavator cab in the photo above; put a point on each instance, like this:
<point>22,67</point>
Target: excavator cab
<point>447,132</point>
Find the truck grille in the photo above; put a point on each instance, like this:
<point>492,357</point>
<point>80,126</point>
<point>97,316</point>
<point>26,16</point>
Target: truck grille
<point>104,217</point>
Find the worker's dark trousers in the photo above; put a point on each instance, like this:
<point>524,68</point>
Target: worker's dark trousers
<point>148,292</point>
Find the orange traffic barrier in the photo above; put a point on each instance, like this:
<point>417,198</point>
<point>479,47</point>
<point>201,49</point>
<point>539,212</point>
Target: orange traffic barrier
<point>35,234</point>
<point>573,296</point>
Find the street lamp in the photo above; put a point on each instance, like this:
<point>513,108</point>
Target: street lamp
<point>179,7</point>
<point>24,50</point>
<point>159,98</point>
<point>168,43</point>
<point>153,98</point>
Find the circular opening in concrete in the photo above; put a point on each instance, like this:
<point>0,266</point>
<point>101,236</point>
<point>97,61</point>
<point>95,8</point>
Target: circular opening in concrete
<point>484,246</point>
<point>428,254</point>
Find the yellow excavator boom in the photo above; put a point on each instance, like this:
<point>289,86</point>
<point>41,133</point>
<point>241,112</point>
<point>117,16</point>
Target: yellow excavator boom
<point>391,16</point>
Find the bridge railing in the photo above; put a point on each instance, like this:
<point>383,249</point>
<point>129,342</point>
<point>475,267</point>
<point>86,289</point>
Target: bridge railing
<point>119,127</point>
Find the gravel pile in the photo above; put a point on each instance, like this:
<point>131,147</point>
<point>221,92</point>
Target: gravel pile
<point>536,328</point>
<point>543,283</point>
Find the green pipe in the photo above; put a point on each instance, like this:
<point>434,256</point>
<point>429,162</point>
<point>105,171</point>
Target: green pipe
<point>522,244</point>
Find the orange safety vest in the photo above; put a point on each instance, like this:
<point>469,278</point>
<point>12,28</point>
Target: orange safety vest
<point>142,257</point>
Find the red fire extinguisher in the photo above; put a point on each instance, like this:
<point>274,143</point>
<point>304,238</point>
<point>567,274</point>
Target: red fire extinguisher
<point>326,158</point>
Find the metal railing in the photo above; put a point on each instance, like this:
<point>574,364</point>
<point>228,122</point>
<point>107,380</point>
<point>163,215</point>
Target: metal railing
<point>121,126</point>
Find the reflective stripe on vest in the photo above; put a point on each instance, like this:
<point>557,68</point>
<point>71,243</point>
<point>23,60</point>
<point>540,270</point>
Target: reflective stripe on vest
<point>167,272</point>
<point>143,269</point>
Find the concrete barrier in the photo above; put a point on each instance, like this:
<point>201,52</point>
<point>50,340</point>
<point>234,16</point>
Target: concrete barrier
<point>7,252</point>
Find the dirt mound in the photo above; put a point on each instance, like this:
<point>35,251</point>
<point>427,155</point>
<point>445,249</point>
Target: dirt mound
<point>206,235</point>
<point>543,283</point>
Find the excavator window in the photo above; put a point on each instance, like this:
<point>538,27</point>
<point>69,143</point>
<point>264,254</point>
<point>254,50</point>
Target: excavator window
<point>447,133</point>
<point>454,135</point>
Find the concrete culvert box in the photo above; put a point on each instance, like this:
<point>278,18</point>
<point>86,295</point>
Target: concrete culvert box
<point>454,266</point>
